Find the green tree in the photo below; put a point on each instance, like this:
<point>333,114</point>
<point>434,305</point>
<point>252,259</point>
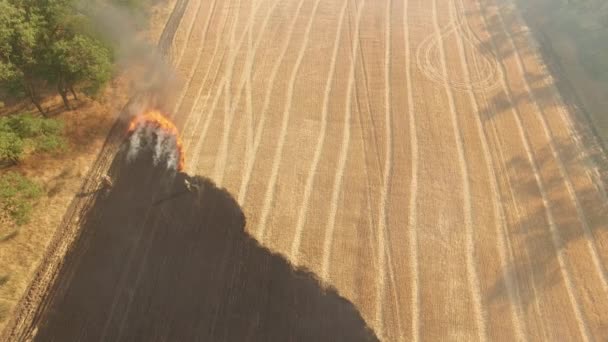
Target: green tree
<point>28,133</point>
<point>50,44</point>
<point>17,196</point>
<point>79,61</point>
<point>19,61</point>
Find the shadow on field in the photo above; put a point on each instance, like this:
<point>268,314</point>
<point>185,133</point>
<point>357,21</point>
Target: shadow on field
<point>156,261</point>
<point>537,261</point>
<point>498,47</point>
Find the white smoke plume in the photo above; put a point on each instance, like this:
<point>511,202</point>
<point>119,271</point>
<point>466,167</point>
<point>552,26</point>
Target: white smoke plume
<point>162,144</point>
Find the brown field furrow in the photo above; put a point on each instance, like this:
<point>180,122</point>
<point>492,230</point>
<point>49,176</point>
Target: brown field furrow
<point>199,52</point>
<point>498,208</point>
<point>308,186</point>
<point>189,129</point>
<point>247,81</point>
<point>222,84</point>
<point>344,148</point>
<point>196,133</point>
<point>278,61</point>
<point>471,269</point>
<point>504,148</point>
<point>549,134</point>
<point>554,236</point>
<point>565,197</point>
<point>389,240</point>
<point>440,215</point>
<point>179,43</point>
<point>180,51</point>
<point>235,106</point>
<point>575,177</point>
<point>218,171</point>
<point>270,190</point>
<point>545,84</point>
<point>413,186</point>
<point>577,250</point>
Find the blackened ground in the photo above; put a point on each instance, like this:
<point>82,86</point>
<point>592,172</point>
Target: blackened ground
<point>156,261</point>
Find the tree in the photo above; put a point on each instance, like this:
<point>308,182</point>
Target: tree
<point>19,65</point>
<point>17,196</point>
<point>50,44</point>
<point>27,133</point>
<point>78,60</point>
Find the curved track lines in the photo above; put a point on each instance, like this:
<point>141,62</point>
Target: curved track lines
<point>428,53</point>
<point>269,196</point>
<point>337,184</point>
<point>506,258</point>
<point>555,235</point>
<point>472,272</point>
<point>297,239</point>
<point>412,217</point>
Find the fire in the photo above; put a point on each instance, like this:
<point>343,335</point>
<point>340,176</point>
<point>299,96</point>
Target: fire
<point>158,120</point>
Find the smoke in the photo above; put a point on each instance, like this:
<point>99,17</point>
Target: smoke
<point>162,144</point>
<point>150,73</point>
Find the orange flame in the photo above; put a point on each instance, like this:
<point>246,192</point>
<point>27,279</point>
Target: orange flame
<point>158,120</point>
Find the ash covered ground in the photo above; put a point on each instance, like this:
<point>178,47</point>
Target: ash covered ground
<point>158,259</point>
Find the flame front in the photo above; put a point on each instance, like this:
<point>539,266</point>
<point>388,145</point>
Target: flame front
<point>157,119</point>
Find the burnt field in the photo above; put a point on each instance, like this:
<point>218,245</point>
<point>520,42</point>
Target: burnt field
<point>157,261</point>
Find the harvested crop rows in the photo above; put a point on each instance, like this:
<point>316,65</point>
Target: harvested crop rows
<point>413,154</point>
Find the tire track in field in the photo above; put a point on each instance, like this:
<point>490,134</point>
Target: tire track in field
<point>555,236</point>
<point>199,53</point>
<point>197,97</point>
<point>565,115</point>
<point>499,212</point>
<point>472,273</point>
<point>260,126</point>
<point>218,170</point>
<point>540,114</point>
<point>199,144</point>
<point>188,34</point>
<point>191,132</point>
<point>412,205</point>
<point>249,94</point>
<point>510,186</point>
<point>370,219</point>
<point>333,206</point>
<point>424,60</point>
<point>269,196</point>
<point>312,171</point>
<point>383,238</point>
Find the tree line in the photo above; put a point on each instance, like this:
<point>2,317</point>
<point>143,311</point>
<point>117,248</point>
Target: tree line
<point>50,45</point>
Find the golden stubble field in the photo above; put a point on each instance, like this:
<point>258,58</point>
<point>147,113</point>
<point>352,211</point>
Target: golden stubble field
<point>413,154</point>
